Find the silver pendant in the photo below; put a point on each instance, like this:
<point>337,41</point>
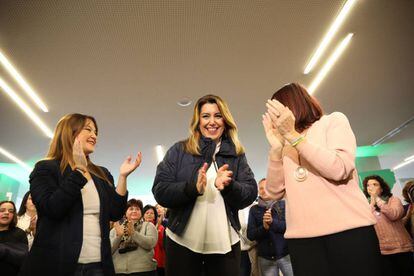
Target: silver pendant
<point>301,173</point>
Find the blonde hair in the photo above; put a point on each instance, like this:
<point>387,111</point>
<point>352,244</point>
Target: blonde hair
<point>191,144</point>
<point>61,146</point>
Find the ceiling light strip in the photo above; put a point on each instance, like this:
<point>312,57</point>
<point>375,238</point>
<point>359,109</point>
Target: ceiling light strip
<point>402,164</point>
<point>393,132</point>
<point>329,63</point>
<point>26,109</point>
<point>329,35</point>
<point>22,82</point>
<point>15,159</point>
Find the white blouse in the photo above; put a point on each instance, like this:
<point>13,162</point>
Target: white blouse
<point>208,230</point>
<point>91,245</point>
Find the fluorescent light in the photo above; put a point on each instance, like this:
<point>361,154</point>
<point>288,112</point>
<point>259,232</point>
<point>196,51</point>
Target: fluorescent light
<point>409,158</point>
<point>22,82</point>
<point>29,112</point>
<point>15,159</point>
<point>160,153</point>
<point>330,62</point>
<point>329,35</point>
<point>402,164</point>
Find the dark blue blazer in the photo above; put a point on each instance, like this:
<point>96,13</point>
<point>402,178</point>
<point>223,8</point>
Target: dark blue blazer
<point>270,243</point>
<point>175,182</point>
<point>58,240</point>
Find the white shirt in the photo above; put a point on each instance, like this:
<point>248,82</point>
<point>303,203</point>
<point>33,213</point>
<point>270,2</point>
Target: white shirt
<point>208,230</point>
<point>91,245</point>
<point>23,222</point>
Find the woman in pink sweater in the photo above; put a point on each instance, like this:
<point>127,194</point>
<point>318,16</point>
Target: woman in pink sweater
<point>312,164</point>
<point>395,242</point>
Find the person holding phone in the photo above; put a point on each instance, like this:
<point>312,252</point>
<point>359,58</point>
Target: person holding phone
<point>75,200</point>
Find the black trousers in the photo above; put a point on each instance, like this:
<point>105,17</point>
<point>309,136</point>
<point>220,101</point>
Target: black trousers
<point>91,269</point>
<point>399,264</point>
<point>181,261</point>
<point>353,252</point>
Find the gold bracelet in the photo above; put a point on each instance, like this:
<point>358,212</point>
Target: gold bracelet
<point>297,141</point>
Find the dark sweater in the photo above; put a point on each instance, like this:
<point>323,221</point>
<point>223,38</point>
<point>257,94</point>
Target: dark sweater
<point>13,249</point>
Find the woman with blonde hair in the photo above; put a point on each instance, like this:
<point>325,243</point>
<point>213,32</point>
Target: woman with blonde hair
<point>75,200</point>
<point>204,181</point>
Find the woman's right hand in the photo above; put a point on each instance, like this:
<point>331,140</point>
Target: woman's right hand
<point>273,136</point>
<point>119,229</point>
<point>202,179</point>
<point>79,156</point>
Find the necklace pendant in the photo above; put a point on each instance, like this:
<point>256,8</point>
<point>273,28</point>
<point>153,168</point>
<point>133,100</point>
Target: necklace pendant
<point>300,174</point>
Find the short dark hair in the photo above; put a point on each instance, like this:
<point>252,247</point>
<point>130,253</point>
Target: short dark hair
<point>22,209</point>
<point>13,223</point>
<point>263,179</point>
<point>304,107</point>
<point>408,191</point>
<point>136,203</point>
<point>147,207</point>
<point>386,191</point>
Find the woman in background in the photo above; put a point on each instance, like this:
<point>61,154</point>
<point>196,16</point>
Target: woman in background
<point>133,241</point>
<point>13,240</point>
<point>395,242</point>
<point>27,217</point>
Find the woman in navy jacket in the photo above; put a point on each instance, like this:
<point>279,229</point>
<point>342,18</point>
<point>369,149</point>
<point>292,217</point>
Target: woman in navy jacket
<point>204,181</point>
<point>75,201</point>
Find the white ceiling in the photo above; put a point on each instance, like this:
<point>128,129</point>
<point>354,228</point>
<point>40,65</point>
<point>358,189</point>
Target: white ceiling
<point>128,62</point>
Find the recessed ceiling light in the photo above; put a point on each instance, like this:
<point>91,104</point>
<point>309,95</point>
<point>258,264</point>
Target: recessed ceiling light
<point>22,82</point>
<point>186,101</point>
<point>15,159</point>
<point>26,109</point>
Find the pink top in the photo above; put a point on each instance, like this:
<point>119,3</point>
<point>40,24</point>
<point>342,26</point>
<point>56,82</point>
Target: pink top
<point>392,235</point>
<point>329,200</point>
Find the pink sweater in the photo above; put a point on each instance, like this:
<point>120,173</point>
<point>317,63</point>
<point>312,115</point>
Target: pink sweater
<point>392,235</point>
<point>329,200</point>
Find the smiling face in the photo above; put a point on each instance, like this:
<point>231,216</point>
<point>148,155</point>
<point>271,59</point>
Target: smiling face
<point>211,122</point>
<point>88,137</point>
<point>6,214</point>
<point>133,213</point>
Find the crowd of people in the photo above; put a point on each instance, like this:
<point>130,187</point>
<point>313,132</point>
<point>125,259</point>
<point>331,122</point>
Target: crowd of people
<point>310,218</point>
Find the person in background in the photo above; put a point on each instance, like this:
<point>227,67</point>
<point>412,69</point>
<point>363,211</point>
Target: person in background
<point>267,226</point>
<point>204,181</point>
<point>408,219</point>
<point>329,225</point>
<point>27,217</point>
<point>13,240</point>
<point>133,241</point>
<point>247,266</point>
<point>395,242</point>
<point>159,248</point>
<point>75,200</point>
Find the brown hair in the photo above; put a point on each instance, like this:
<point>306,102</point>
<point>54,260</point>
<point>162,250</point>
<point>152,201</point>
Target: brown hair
<point>61,146</point>
<point>408,190</point>
<point>304,107</point>
<point>13,223</point>
<point>191,144</point>
<point>386,191</point>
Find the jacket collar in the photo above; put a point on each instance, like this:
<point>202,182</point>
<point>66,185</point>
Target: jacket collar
<point>208,146</point>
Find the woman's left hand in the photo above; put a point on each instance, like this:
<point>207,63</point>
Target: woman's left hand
<point>283,118</point>
<point>128,166</point>
<point>223,178</point>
